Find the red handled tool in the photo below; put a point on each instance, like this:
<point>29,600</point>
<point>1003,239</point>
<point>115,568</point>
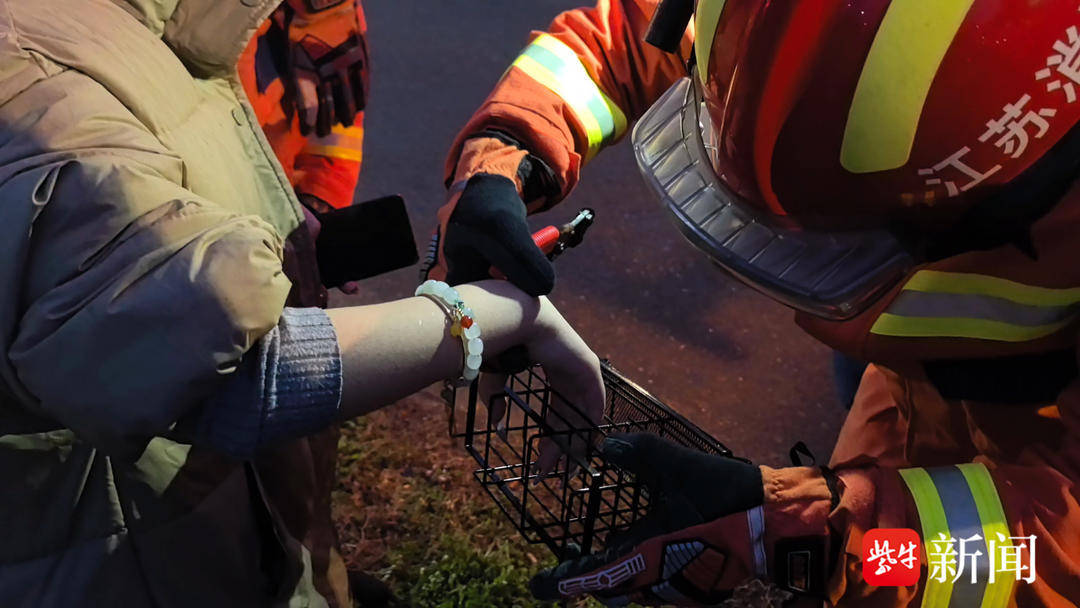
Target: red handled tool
<point>553,241</point>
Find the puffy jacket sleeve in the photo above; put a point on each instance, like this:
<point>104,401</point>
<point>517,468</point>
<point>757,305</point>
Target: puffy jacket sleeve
<point>1003,301</point>
<point>572,91</point>
<point>140,297</point>
<point>128,299</point>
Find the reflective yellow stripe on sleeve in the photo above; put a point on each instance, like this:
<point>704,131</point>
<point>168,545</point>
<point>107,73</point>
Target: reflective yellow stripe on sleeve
<point>934,524</point>
<point>995,527</point>
<point>960,514</point>
<point>346,143</point>
<point>550,62</point>
<point>935,304</point>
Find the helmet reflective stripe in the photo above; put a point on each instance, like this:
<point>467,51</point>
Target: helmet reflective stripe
<point>937,304</point>
<point>346,143</point>
<point>903,60</point>
<point>550,62</point>
<point>960,502</point>
<point>706,19</point>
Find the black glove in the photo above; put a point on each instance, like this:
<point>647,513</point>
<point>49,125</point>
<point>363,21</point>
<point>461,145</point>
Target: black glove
<point>488,228</point>
<point>686,488</point>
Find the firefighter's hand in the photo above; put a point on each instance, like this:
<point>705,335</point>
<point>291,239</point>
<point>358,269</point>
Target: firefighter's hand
<point>326,83</point>
<point>487,228</point>
<point>695,546</point>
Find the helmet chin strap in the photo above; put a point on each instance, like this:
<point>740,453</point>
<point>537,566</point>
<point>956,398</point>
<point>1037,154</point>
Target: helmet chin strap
<point>668,24</point>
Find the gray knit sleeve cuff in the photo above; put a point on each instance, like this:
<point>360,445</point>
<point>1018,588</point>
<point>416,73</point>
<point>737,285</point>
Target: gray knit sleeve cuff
<point>288,386</point>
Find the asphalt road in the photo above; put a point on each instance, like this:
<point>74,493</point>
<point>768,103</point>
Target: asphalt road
<point>722,355</point>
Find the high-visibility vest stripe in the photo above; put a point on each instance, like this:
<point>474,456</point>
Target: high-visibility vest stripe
<point>959,327</point>
<point>934,524</point>
<point>995,527</point>
<point>343,142</point>
<point>991,308</point>
<point>967,305</point>
<point>963,517</point>
<point>570,58</point>
<point>904,57</point>
<point>982,284</point>
<point>954,503</point>
<point>335,152</point>
<point>550,62</point>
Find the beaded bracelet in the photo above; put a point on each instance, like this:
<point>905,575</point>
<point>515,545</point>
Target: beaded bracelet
<point>462,325</point>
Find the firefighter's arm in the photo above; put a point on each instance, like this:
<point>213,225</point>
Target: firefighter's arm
<point>723,523</point>
<point>1021,516</point>
<point>327,169</point>
<point>572,91</point>
<point>1012,299</point>
<point>327,87</point>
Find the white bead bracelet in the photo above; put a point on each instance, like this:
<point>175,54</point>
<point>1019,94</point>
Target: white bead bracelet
<point>462,325</point>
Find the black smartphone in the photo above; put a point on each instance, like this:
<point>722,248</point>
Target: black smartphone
<point>365,240</point>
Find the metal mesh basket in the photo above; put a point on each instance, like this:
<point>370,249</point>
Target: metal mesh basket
<point>577,505</point>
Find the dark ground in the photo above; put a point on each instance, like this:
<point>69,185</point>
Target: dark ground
<point>727,358</point>
<point>724,356</point>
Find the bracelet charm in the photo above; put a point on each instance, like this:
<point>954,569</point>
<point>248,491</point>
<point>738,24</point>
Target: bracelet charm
<point>462,325</point>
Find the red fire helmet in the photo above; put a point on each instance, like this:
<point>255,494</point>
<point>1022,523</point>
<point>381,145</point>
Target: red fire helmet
<point>823,143</point>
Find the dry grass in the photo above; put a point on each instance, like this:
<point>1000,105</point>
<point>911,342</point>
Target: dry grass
<point>409,512</point>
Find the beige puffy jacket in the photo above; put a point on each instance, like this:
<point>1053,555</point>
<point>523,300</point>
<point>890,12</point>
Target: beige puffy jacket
<point>143,228</point>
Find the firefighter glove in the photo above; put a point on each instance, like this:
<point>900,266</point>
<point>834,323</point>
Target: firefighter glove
<point>488,229</point>
<point>694,547</point>
<point>326,84</point>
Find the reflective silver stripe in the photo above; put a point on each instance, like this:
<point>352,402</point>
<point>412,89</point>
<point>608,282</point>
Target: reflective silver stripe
<point>939,304</point>
<point>556,66</point>
<point>964,523</point>
<point>607,578</point>
<point>756,519</point>
<point>971,306</point>
<point>954,503</point>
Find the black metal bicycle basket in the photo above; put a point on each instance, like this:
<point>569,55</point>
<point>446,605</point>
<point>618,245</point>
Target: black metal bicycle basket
<point>582,500</point>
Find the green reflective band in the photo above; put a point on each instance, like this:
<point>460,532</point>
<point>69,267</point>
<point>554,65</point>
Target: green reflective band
<point>995,528</point>
<point>959,502</point>
<point>896,77</point>
<point>550,62</point>
<point>959,327</point>
<point>932,518</point>
<point>936,304</point>
<point>981,284</point>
